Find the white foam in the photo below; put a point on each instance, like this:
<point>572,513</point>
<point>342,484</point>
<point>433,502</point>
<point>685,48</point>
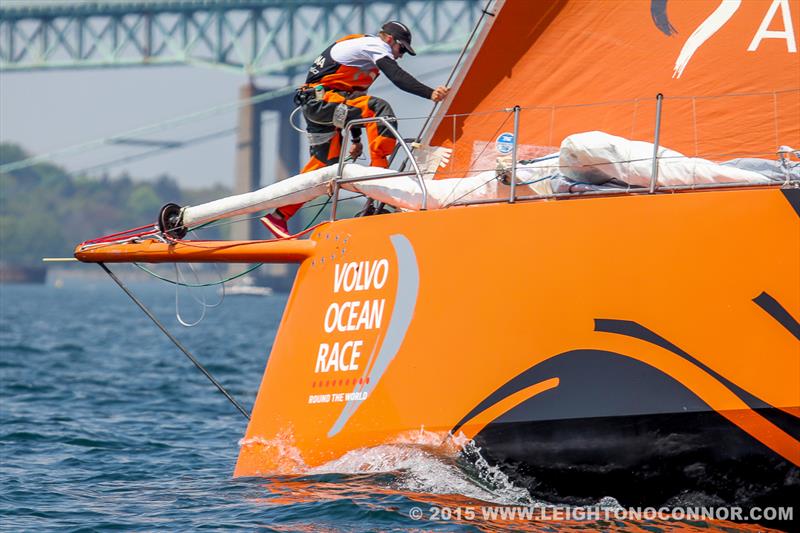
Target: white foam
<point>285,457</point>
<point>607,502</point>
<point>495,478</point>
<point>423,461</point>
<point>427,462</point>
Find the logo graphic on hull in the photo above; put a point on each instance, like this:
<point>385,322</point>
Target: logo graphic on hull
<point>404,303</point>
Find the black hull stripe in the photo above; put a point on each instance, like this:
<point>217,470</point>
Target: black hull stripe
<point>778,312</point>
<point>544,370</point>
<point>518,383</point>
<point>633,388</point>
<point>782,419</point>
<point>793,197</point>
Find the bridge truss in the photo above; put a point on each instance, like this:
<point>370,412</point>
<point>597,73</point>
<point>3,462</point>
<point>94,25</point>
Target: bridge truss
<point>255,37</point>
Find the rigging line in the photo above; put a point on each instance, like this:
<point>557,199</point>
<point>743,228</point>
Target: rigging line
<point>197,285</point>
<point>197,278</point>
<point>734,94</point>
<point>319,212</point>
<point>222,281</point>
<point>212,224</point>
<point>202,301</point>
<point>469,192</point>
<point>471,114</point>
<point>151,128</point>
<point>484,12</point>
<point>175,341</point>
<point>193,244</point>
<point>176,121</point>
<point>480,154</point>
<point>155,151</point>
<point>141,231</point>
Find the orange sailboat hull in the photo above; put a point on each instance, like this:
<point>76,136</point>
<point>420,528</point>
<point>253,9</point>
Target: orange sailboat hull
<point>673,308</point>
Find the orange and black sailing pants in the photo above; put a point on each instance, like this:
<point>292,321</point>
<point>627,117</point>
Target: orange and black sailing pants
<point>319,120</point>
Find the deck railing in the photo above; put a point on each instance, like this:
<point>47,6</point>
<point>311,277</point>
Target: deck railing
<point>386,122</point>
<point>688,110</point>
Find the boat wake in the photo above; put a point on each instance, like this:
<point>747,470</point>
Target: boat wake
<point>421,461</point>
<point>422,471</point>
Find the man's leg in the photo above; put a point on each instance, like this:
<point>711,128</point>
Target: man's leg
<point>319,115</point>
<point>322,155</point>
<point>381,140</point>
<point>325,143</point>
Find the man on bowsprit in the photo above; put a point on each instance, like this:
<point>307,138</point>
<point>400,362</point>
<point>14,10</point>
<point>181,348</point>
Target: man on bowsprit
<point>335,92</point>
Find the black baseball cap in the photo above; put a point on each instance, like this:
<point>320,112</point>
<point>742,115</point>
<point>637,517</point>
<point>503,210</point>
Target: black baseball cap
<point>401,34</point>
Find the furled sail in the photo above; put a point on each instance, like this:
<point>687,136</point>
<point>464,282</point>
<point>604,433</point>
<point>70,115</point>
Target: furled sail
<point>591,159</point>
<point>729,71</point>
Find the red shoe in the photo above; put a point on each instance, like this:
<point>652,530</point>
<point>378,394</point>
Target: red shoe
<point>277,225</point>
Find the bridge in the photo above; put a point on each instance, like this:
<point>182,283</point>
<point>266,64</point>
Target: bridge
<point>255,37</point>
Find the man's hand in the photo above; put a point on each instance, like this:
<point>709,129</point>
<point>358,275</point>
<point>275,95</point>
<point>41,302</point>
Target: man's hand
<point>439,93</point>
<point>356,149</point>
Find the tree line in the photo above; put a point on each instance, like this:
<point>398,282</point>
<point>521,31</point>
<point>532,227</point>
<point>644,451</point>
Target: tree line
<point>45,211</point>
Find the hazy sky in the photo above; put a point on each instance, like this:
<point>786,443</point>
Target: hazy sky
<point>50,110</point>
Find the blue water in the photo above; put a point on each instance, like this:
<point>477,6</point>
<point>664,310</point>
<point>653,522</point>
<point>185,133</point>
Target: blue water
<point>105,425</point>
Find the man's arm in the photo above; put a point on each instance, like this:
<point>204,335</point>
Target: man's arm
<point>403,79</point>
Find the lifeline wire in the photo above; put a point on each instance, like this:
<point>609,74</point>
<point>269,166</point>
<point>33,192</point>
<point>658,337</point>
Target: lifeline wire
<point>176,342</point>
<point>475,160</point>
<point>201,300</point>
<point>196,285</point>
